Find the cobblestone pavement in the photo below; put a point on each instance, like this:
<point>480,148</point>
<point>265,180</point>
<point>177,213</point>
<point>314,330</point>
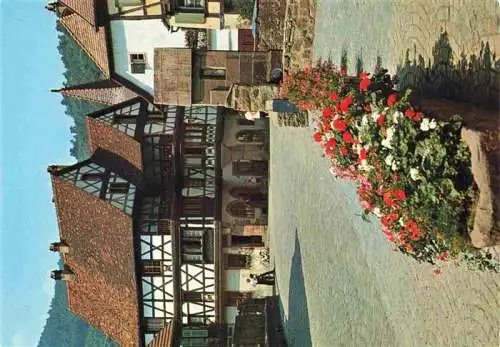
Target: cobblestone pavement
<point>339,280</point>
<point>368,28</point>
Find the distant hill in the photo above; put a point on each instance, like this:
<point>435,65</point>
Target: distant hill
<point>79,69</point>
<point>65,329</point>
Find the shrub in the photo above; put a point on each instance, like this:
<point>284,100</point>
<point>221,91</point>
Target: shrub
<point>412,171</point>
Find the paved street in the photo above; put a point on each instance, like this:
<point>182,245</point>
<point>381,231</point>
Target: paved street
<point>368,28</point>
<point>339,280</point>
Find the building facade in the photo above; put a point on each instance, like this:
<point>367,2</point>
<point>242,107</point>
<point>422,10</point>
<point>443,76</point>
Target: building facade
<point>162,225</point>
<point>184,76</point>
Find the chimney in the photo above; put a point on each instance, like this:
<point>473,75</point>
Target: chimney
<point>60,247</point>
<point>52,6</point>
<point>65,275</point>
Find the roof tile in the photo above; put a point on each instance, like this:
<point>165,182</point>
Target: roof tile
<point>92,42</point>
<point>101,256</point>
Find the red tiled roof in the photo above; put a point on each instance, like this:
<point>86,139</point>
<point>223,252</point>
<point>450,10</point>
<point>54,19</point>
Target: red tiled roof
<point>101,256</point>
<point>104,92</point>
<point>91,41</point>
<point>84,8</point>
<point>103,135</point>
<point>164,338</point>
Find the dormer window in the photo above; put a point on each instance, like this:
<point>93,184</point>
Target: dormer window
<point>138,63</point>
<point>118,187</point>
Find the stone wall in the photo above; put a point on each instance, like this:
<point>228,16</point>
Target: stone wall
<point>299,33</point>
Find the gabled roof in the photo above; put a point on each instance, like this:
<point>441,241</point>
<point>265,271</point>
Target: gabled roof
<point>103,135</point>
<point>165,337</point>
<point>84,8</point>
<point>101,256</point>
<point>91,41</point>
<point>172,79</point>
<point>105,92</point>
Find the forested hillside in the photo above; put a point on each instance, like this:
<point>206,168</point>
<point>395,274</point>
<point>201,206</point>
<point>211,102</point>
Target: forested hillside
<point>79,69</point>
<point>65,329</point>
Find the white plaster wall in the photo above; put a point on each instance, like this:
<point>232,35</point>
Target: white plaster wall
<point>224,40</point>
<point>141,36</point>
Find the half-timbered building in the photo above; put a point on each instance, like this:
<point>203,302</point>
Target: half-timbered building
<point>128,43</point>
<point>163,223</point>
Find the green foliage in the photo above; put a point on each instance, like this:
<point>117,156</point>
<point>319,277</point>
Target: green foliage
<point>79,69</point>
<point>412,171</point>
<point>243,7</point>
<point>64,329</point>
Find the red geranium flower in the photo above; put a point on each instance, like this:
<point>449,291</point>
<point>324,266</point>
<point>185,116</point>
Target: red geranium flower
<point>367,108</point>
<point>331,143</point>
<point>346,102</point>
<point>333,97</point>
<point>364,84</point>
<point>391,100</point>
<point>327,112</point>
<point>409,113</point>
<point>362,154</point>
<point>363,75</point>
<point>399,194</point>
<point>388,199</point>
<point>317,137</point>
<point>347,137</point>
<point>380,120</point>
<point>343,151</point>
<point>326,126</point>
<point>419,116</point>
<point>339,125</point>
<point>328,152</point>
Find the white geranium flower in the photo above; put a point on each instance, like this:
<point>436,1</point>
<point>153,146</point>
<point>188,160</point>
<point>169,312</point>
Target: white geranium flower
<point>376,212</point>
<point>388,160</point>
<point>375,114</point>
<point>432,124</point>
<point>400,221</point>
<point>396,115</point>
<point>386,143</point>
<point>394,166</point>
<point>414,174</point>
<point>364,120</point>
<point>390,133</point>
<point>424,126</point>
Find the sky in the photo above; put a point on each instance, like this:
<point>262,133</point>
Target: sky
<point>34,133</point>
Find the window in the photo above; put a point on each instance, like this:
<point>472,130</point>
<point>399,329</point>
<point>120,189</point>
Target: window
<point>138,63</point>
<point>154,325</point>
<point>191,3</point>
<point>245,122</point>
<point>246,240</point>
<point>213,74</point>
<point>249,168</point>
<point>237,261</point>
<point>197,342</point>
<point>118,187</point>
<point>193,332</point>
<point>234,298</point>
<point>120,3</point>
<point>92,176</point>
<point>192,296</point>
<point>250,136</point>
<point>240,209</point>
<point>153,268</point>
